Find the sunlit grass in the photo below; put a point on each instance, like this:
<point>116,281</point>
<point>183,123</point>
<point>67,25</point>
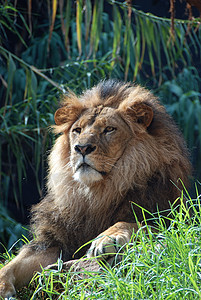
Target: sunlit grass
<point>158,264</point>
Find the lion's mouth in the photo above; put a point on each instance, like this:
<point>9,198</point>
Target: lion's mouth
<point>87,174</point>
<point>86,167</point>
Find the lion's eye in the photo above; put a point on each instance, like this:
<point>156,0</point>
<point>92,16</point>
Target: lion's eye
<point>77,130</point>
<point>109,129</point>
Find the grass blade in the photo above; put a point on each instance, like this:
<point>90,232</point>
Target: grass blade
<point>79,25</point>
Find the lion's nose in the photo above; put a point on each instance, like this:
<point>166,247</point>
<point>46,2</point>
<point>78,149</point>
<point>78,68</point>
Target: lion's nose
<point>84,149</point>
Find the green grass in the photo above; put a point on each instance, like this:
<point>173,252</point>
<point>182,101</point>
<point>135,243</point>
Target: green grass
<point>161,265</point>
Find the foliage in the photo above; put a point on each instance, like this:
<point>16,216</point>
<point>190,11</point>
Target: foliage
<point>8,14</point>
<point>64,44</point>
<point>137,42</point>
<point>10,230</point>
<point>182,99</point>
<point>164,264</point>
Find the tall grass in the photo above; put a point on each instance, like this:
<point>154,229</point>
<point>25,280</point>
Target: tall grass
<point>162,264</point>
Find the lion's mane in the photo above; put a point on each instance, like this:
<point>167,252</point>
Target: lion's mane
<point>148,173</point>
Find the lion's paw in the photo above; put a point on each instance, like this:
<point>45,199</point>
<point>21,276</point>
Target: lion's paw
<point>108,244</point>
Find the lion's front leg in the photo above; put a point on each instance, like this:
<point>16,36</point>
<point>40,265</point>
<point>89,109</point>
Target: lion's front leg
<point>111,240</point>
<point>20,270</point>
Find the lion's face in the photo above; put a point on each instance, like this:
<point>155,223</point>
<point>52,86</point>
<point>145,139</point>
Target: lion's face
<point>97,141</point>
<point>99,131</point>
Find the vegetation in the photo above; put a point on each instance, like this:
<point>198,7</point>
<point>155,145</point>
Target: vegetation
<point>51,46</point>
<point>162,265</point>
<point>181,97</point>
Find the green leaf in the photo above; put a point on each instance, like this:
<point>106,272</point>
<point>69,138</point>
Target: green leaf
<point>117,32</point>
<point>79,25</point>
<point>88,14</point>
<point>11,72</point>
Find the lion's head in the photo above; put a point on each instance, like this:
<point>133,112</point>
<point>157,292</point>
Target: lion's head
<point>117,136</point>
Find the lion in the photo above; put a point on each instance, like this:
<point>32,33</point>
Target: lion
<point>116,146</point>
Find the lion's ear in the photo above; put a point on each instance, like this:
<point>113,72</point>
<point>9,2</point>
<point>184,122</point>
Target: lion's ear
<point>70,110</point>
<point>140,113</point>
<point>143,113</point>
<point>67,114</point>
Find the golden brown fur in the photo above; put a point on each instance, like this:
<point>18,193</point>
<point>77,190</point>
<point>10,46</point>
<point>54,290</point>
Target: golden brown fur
<point>117,146</point>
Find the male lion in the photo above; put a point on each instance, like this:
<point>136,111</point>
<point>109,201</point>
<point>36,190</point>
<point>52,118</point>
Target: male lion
<point>117,145</point>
